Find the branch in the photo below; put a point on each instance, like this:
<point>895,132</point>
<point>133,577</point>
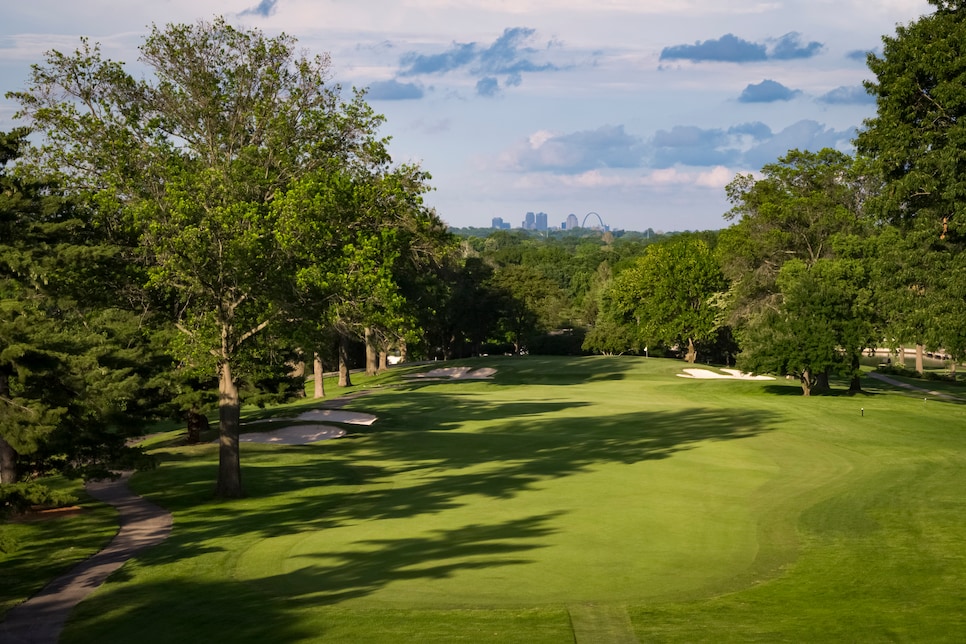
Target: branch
<point>10,402</point>
<point>252,332</point>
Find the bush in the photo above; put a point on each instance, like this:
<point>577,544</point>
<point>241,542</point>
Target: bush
<point>935,375</point>
<point>896,370</point>
<point>18,498</point>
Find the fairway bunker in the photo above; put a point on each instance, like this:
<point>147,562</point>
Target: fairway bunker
<point>305,433</point>
<point>729,374</point>
<point>455,373</point>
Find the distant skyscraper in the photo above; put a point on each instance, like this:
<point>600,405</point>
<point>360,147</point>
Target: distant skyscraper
<point>572,221</point>
<point>529,222</point>
<point>497,223</point>
<point>541,222</point>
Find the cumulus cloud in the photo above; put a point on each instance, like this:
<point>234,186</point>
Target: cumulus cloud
<point>790,46</point>
<point>507,59</point>
<point>767,91</point>
<point>393,90</point>
<point>265,8</point>
<point>610,150</point>
<point>748,145</point>
<point>850,95</point>
<point>728,48</point>
<point>606,147</point>
<point>732,49</point>
<point>803,135</point>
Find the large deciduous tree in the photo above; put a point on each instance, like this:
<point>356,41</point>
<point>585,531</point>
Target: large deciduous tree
<point>192,159</point>
<point>917,145</point>
<point>669,293</point>
<point>805,211</point>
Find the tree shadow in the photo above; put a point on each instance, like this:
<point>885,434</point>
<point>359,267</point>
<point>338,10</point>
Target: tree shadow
<point>429,454</point>
<point>412,473</point>
<point>269,608</point>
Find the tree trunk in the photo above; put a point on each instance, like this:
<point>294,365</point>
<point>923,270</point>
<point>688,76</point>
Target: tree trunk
<point>344,379</point>
<point>855,385</point>
<point>229,455</point>
<point>692,355</point>
<point>8,455</point>
<point>372,354</point>
<point>317,376</point>
<point>901,358</point>
<point>821,383</point>
<point>402,351</point>
<point>197,423</point>
<point>383,361</point>
<point>8,463</point>
<point>806,380</point>
<point>919,351</point>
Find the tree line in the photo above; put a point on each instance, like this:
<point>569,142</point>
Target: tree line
<point>183,241</point>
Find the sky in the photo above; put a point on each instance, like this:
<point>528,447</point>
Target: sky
<point>640,111</point>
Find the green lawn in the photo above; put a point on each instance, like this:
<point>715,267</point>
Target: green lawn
<point>599,496</point>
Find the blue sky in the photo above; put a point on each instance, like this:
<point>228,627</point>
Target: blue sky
<point>640,110</point>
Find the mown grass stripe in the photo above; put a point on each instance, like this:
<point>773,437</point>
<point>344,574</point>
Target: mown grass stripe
<point>601,624</point>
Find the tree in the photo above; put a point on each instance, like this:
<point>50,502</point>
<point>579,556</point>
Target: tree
<point>192,159</point>
<point>70,364</point>
<point>669,293</point>
<point>917,146</point>
<point>823,323</point>
<point>807,208</point>
<point>530,303</point>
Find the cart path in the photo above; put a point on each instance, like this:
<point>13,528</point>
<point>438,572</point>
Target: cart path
<point>898,383</point>
<point>143,524</point>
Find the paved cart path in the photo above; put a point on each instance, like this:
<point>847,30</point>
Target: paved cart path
<point>40,619</point>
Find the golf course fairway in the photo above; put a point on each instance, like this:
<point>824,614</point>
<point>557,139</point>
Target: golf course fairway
<point>566,499</point>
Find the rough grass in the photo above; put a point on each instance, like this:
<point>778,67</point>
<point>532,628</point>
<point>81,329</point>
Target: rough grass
<point>499,511</point>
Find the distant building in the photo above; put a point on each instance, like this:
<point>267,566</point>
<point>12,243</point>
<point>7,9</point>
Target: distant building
<point>499,224</point>
<point>541,221</point>
<point>572,222</point>
<point>530,221</point>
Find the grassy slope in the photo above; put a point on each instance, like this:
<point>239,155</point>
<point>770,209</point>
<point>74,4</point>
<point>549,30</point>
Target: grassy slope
<point>482,511</point>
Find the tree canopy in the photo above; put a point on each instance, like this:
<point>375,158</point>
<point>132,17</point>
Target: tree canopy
<point>195,160</point>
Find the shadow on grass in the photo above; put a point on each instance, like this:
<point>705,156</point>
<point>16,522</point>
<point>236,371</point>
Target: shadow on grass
<point>432,451</point>
<point>271,608</point>
<point>422,471</point>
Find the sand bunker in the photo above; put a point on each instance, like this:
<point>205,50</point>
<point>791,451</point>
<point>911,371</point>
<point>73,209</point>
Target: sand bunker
<point>331,415</point>
<point>308,433</point>
<point>294,435</point>
<point>729,374</point>
<point>455,373</point>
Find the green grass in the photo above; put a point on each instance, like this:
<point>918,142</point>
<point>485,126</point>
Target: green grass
<point>593,496</point>
<point>34,550</point>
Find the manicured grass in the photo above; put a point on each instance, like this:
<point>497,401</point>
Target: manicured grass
<point>588,495</point>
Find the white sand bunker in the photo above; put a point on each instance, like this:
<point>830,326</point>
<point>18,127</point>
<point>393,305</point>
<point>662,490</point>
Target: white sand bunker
<point>455,373</point>
<point>331,415</point>
<point>294,435</point>
<point>309,433</point>
<point>338,416</point>
<point>729,374</point>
